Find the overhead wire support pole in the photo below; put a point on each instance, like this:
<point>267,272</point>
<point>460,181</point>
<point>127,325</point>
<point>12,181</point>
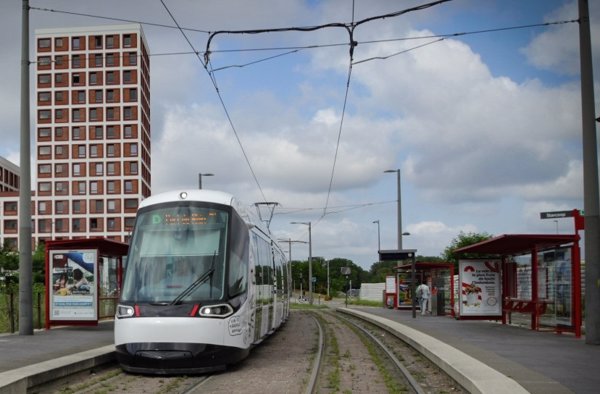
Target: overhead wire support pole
<point>591,195</point>
<point>25,256</point>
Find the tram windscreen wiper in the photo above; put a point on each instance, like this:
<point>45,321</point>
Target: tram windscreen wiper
<point>201,279</point>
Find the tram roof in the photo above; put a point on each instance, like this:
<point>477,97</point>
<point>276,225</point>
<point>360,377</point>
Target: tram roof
<point>212,196</point>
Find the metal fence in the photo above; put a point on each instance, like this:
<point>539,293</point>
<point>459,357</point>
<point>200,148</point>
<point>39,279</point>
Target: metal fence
<point>9,309</point>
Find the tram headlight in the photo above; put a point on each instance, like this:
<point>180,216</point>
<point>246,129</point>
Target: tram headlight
<point>218,311</point>
<point>124,311</point>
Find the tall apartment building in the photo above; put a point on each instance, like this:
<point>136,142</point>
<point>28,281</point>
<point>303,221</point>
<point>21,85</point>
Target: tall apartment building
<point>92,131</point>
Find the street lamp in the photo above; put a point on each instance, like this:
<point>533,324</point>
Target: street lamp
<point>399,208</point>
<point>378,235</point>
<point>200,179</point>
<point>310,284</point>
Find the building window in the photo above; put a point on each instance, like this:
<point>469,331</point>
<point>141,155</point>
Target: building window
<point>44,43</point>
<point>133,150</point>
<point>44,186</point>
<point>44,132</point>
<point>127,76</point>
<point>81,151</point>
<point>44,79</point>
<point>58,78</point>
<point>98,134</point>
<point>93,224</point>
<point>133,168</point>
<point>60,187</point>
<point>110,187</point>
<point>110,223</point>
<point>58,96</point>
<point>93,187</point>
<point>44,114</point>
<point>77,169</point>
<point>93,150</point>
<point>76,131</point>
<point>128,131</point>
<point>110,150</point>
<point>132,58</point>
<point>93,114</point>
<point>111,206</point>
<point>76,115</point>
<point>110,77</point>
<point>127,40</point>
<point>110,41</point>
<point>76,61</point>
<point>44,60</point>
<point>98,60</point>
<point>110,59</point>
<point>131,203</point>
<point>76,225</point>
<point>58,42</point>
<point>60,207</point>
<point>60,169</point>
<point>45,169</point>
<point>133,94</point>
<point>81,187</point>
<point>110,114</point>
<point>99,169</point>
<point>128,186</point>
<point>75,43</point>
<point>93,78</point>
<point>110,168</point>
<point>42,207</point>
<point>76,206</point>
<point>76,79</point>
<point>44,97</point>
<point>110,132</point>
<point>98,42</point>
<point>98,96</point>
<point>127,111</point>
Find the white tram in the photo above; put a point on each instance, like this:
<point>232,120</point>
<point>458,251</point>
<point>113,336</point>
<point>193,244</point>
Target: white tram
<point>203,283</point>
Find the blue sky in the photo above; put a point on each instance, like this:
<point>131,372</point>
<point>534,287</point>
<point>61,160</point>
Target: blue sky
<point>484,127</point>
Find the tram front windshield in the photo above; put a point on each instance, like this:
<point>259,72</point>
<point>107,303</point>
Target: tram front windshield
<point>177,254</point>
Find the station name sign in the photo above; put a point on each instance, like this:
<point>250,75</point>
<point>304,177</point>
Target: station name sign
<point>557,214</point>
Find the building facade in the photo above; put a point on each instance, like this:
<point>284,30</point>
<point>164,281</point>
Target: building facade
<point>92,132</point>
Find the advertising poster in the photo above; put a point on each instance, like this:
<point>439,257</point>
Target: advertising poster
<point>480,293</point>
<point>73,283</point>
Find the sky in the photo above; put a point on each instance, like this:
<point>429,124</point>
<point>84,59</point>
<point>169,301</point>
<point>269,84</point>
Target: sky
<point>485,127</point>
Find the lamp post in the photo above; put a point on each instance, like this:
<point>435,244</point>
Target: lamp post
<point>399,208</point>
<point>310,284</point>
<point>378,236</point>
<point>200,179</point>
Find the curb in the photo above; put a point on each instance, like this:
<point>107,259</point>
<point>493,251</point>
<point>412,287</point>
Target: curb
<point>20,380</point>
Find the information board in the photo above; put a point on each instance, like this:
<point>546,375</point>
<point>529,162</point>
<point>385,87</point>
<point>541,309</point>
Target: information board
<point>73,282</point>
<point>481,292</point>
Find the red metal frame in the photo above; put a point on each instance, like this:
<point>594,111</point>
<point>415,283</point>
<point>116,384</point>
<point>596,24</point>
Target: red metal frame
<point>516,244</point>
<point>105,247</point>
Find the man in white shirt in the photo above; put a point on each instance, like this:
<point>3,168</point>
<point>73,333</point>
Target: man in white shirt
<point>423,293</point>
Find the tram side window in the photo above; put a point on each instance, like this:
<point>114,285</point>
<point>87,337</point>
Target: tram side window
<point>238,259</point>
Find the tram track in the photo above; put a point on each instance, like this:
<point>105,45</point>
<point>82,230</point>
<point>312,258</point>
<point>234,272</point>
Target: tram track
<point>316,351</point>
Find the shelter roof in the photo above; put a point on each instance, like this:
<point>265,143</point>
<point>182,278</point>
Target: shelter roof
<point>104,245</point>
<point>511,244</point>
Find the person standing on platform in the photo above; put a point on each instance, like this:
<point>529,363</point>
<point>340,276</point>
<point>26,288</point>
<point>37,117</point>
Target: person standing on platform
<point>423,293</point>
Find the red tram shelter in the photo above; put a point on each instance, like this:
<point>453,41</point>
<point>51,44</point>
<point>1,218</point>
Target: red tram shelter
<point>83,280</point>
<point>541,276</point>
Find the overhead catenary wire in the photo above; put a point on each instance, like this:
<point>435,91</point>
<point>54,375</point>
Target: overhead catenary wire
<point>222,104</point>
<point>290,50</point>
